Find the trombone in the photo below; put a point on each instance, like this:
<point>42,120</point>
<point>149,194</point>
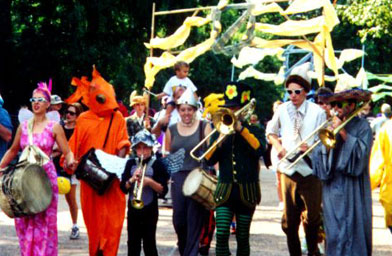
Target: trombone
<point>294,150</point>
<point>137,201</point>
<point>327,137</point>
<point>224,121</point>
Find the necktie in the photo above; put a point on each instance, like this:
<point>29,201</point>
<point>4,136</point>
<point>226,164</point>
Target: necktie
<point>297,123</point>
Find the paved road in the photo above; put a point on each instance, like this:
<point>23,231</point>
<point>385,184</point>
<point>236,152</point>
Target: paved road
<point>267,238</point>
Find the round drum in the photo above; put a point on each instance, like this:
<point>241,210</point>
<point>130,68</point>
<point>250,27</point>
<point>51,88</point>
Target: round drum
<point>25,189</point>
<point>201,187</point>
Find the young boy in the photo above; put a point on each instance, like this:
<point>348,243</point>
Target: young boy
<point>142,222</point>
<point>181,79</point>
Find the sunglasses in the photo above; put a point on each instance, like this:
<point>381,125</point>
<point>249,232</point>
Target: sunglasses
<point>339,104</point>
<point>297,91</point>
<point>39,99</point>
<point>71,113</point>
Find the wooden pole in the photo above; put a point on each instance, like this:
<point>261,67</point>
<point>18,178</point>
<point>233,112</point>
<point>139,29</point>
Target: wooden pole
<point>145,94</point>
<point>232,6</point>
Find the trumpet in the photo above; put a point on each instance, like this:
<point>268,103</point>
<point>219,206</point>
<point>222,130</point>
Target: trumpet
<point>137,201</point>
<point>327,137</point>
<point>224,121</point>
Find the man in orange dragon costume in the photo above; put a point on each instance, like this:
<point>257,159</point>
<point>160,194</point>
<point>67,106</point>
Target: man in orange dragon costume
<point>103,214</point>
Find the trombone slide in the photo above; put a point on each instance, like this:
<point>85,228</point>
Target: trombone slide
<point>295,149</point>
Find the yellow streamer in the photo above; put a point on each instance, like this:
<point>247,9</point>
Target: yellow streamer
<point>300,6</point>
<point>249,55</point>
<point>180,36</point>
<point>155,64</point>
<point>293,27</point>
<point>261,8</point>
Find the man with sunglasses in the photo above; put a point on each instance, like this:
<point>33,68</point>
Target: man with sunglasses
<point>301,190</point>
<point>344,173</point>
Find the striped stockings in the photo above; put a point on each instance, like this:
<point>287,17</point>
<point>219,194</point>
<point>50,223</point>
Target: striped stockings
<point>224,217</point>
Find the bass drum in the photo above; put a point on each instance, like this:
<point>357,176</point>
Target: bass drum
<point>201,187</point>
<point>25,190</point>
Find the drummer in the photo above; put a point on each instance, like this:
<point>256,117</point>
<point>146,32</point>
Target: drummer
<point>238,190</point>
<point>38,233</point>
<point>187,213</point>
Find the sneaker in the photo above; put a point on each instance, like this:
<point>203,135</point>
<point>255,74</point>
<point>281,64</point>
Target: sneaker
<point>74,233</point>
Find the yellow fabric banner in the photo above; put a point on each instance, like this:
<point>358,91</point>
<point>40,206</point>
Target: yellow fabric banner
<point>155,64</point>
<point>261,8</point>
<point>300,6</point>
<point>293,27</point>
<point>180,36</point>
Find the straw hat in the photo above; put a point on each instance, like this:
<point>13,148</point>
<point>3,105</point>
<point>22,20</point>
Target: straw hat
<point>136,99</point>
<point>345,90</point>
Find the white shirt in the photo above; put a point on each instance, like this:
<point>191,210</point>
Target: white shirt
<point>174,81</point>
<point>282,124</point>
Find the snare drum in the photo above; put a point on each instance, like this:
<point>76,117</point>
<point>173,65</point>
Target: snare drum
<point>25,190</point>
<point>201,187</point>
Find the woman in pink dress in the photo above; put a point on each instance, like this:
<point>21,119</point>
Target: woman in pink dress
<point>38,233</point>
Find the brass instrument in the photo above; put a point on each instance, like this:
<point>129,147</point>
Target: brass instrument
<point>295,149</point>
<point>327,137</point>
<point>224,121</point>
<point>137,201</point>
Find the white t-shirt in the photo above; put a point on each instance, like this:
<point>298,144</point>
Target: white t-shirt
<point>174,81</point>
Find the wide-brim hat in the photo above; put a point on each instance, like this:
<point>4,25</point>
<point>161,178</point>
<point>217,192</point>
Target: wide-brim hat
<point>143,136</point>
<point>299,75</point>
<point>344,91</point>
<point>55,99</point>
<point>236,94</point>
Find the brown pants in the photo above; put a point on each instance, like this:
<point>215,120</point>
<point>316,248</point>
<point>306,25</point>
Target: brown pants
<point>301,196</point>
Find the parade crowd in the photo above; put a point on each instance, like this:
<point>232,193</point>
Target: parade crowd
<point>326,153</point>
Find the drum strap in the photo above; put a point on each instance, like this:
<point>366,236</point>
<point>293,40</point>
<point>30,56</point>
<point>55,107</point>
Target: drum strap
<point>107,133</point>
<point>33,154</point>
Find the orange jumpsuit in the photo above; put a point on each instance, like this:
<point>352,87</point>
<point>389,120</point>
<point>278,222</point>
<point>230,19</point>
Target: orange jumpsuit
<point>103,214</point>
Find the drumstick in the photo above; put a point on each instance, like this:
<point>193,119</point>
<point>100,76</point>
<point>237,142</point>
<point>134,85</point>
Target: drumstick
<point>153,94</point>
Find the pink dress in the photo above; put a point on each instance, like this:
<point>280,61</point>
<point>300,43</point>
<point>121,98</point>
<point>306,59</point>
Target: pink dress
<point>38,233</point>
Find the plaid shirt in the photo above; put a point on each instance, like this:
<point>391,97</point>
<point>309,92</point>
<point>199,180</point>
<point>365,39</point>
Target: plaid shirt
<point>133,125</point>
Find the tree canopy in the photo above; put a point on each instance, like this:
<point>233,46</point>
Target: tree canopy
<point>61,39</point>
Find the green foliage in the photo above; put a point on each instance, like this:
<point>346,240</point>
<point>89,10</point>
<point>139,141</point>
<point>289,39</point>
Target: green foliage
<point>373,16</point>
<point>61,39</point>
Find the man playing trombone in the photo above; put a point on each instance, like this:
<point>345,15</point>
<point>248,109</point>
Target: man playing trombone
<point>342,164</point>
<point>296,122</point>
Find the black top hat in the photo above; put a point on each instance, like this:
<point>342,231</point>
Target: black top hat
<point>236,94</point>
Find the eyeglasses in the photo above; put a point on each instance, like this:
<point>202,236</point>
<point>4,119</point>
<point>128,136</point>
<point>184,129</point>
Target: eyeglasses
<point>297,91</point>
<point>339,104</point>
<point>71,113</point>
<point>39,99</point>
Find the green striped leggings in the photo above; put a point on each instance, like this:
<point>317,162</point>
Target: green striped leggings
<point>224,217</point>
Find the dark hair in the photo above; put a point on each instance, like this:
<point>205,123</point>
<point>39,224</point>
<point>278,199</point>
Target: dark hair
<point>322,91</point>
<point>180,64</point>
<point>298,80</point>
<point>78,108</point>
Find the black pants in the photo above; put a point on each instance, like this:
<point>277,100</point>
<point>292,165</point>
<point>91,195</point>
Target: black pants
<point>142,225</point>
